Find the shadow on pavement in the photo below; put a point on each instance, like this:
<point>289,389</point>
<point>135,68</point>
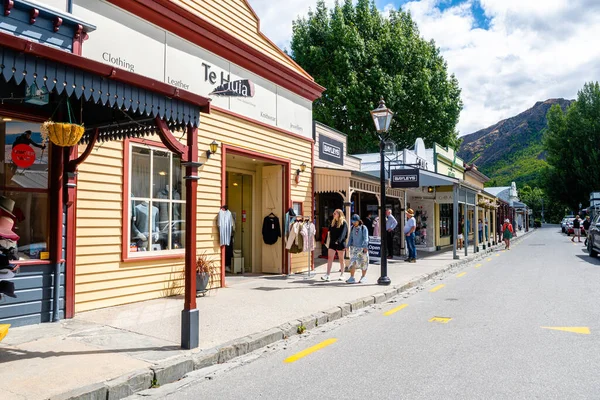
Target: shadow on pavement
<point>591,260</point>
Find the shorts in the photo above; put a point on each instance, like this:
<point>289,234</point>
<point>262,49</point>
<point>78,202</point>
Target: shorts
<point>358,258</point>
<point>460,236</point>
<point>337,247</point>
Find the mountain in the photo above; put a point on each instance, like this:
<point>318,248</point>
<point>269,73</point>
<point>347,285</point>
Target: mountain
<point>512,149</point>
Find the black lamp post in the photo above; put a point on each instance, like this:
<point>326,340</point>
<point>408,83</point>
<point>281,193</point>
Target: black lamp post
<point>382,117</point>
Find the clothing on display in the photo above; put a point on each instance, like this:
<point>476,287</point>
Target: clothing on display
<point>8,248</point>
<point>295,241</point>
<point>308,231</point>
<point>289,217</point>
<point>163,207</point>
<point>271,230</point>
<point>226,226</point>
<point>141,223</point>
<point>301,236</point>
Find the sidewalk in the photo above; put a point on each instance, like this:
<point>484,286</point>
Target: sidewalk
<point>114,352</point>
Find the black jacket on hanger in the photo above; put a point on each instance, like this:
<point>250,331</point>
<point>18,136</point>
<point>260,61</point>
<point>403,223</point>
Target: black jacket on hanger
<point>271,229</point>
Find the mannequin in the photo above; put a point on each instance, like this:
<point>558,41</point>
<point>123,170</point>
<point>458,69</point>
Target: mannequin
<point>140,228</point>
<point>163,207</point>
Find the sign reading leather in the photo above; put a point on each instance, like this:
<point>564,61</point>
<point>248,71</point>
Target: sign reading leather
<point>331,150</point>
<point>241,88</point>
<point>405,178</point>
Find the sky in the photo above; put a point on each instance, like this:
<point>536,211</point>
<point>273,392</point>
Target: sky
<point>506,54</point>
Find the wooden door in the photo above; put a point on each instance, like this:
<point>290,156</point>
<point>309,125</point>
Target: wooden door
<point>272,202</point>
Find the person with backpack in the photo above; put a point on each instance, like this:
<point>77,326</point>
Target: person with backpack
<point>358,245</point>
<point>507,234</point>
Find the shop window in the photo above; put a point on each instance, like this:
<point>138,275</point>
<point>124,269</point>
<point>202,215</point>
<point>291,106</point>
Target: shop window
<point>157,201</point>
<point>446,220</point>
<point>24,181</point>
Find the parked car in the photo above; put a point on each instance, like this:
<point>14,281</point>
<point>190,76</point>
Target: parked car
<point>569,227</point>
<point>563,223</point>
<point>593,240</point>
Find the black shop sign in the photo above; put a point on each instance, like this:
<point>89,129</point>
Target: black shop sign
<point>405,178</point>
<point>331,150</point>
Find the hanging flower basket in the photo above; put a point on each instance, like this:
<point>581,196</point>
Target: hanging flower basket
<point>63,134</point>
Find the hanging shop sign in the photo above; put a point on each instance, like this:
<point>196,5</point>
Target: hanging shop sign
<point>374,249</point>
<point>405,178</point>
<point>331,150</point>
<point>23,155</point>
<point>241,88</point>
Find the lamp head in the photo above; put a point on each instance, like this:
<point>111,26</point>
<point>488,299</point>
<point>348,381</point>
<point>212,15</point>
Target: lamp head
<point>382,117</point>
<point>213,147</point>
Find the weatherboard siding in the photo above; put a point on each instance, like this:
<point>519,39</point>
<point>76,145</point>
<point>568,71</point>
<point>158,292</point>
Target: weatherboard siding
<point>236,18</point>
<point>103,279</point>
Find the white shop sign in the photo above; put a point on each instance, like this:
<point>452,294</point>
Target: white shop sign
<point>444,198</point>
<point>128,42</point>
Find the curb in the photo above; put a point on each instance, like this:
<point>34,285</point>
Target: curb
<point>177,368</point>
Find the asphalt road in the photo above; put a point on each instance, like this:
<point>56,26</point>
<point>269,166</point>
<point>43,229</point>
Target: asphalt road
<point>493,347</point>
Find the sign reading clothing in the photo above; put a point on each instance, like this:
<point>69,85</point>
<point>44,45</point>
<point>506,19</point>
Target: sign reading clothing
<point>405,178</point>
<point>331,150</point>
<point>155,53</point>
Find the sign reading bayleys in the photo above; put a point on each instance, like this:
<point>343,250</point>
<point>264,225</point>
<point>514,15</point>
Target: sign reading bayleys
<point>241,88</point>
<point>331,150</point>
<point>405,178</point>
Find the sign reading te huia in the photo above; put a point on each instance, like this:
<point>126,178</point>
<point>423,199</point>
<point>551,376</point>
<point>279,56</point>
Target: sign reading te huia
<point>241,88</point>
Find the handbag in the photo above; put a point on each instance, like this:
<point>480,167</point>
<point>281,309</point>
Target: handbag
<point>327,240</point>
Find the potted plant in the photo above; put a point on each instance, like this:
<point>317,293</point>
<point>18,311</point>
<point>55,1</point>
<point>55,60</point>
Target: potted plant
<point>205,269</point>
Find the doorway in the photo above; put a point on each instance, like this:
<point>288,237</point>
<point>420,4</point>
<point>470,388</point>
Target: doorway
<point>240,188</point>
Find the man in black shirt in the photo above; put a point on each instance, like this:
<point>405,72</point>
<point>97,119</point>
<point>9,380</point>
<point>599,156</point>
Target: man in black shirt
<point>576,229</point>
<point>25,138</point>
<point>586,227</point>
<point>368,222</point>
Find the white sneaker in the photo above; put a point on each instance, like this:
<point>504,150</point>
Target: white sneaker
<point>325,278</point>
<point>363,280</point>
<point>341,278</point>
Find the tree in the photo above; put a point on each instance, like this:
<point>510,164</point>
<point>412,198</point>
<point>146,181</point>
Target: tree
<point>360,55</point>
<point>573,145</point>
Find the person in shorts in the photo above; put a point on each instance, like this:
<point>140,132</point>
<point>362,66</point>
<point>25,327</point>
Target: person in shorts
<point>358,244</point>
<point>338,232</point>
<point>576,229</point>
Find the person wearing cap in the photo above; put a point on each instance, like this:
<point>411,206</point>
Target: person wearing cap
<point>25,138</point>
<point>358,244</point>
<point>390,225</point>
<point>507,230</point>
<point>409,232</point>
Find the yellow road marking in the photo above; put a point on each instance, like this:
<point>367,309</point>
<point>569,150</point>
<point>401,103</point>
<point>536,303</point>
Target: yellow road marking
<point>461,274</point>
<point>584,330</point>
<point>478,265</point>
<point>438,287</point>
<point>441,320</point>
<point>395,310</point>
<point>310,350</point>
<point>497,255</point>
<point>489,259</point>
<point>3,330</point>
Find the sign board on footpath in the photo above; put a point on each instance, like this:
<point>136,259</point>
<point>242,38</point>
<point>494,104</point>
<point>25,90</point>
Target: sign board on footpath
<point>374,249</point>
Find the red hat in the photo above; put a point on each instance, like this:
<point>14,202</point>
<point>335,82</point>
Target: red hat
<point>6,225</point>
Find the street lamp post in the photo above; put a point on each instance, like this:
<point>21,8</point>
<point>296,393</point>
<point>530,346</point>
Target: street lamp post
<point>382,118</point>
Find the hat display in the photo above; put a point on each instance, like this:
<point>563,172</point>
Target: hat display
<point>410,211</point>
<point>7,205</point>
<point>6,225</point>
<point>7,288</point>
<point>355,218</point>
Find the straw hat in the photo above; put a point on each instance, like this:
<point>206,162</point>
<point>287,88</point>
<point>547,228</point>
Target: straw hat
<point>410,211</point>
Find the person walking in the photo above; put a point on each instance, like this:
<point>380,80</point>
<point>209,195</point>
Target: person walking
<point>338,232</point>
<point>507,233</point>
<point>586,227</point>
<point>390,225</point>
<point>358,245</point>
<point>461,237</point>
<point>409,232</point>
<point>480,229</point>
<point>576,229</point>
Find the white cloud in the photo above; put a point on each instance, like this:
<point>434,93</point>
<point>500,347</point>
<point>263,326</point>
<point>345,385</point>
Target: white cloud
<point>532,51</point>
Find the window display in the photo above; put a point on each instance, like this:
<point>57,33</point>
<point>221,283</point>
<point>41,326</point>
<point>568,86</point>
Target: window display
<point>446,219</point>
<point>24,183</point>
<point>156,206</point>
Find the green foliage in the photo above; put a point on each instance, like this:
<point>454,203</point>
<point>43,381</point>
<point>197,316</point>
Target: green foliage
<point>359,55</point>
<point>572,143</point>
<point>524,167</point>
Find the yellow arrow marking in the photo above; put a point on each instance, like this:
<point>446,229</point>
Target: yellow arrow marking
<point>3,331</point>
<point>584,330</point>
<point>478,265</point>
<point>461,275</point>
<point>310,350</point>
<point>441,320</point>
<point>438,287</point>
<point>395,310</point>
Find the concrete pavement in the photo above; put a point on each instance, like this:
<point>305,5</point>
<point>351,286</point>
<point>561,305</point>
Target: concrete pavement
<point>495,345</point>
<point>127,348</point>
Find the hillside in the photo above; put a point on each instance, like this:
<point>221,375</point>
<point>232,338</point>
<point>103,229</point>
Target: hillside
<point>511,150</point>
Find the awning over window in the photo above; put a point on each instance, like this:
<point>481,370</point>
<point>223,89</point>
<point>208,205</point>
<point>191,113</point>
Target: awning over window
<point>93,87</point>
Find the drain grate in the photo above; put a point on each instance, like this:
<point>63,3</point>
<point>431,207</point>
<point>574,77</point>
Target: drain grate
<point>451,299</point>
